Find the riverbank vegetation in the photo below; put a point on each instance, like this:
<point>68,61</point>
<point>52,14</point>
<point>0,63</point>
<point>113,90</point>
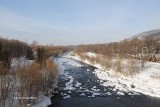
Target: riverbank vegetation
<point>26,70</point>
<point>125,57</point>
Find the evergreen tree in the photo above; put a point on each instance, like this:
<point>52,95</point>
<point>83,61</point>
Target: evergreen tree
<point>1,46</point>
<point>29,54</point>
<point>5,61</point>
<point>41,56</point>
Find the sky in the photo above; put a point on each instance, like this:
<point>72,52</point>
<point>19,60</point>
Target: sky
<point>74,22</point>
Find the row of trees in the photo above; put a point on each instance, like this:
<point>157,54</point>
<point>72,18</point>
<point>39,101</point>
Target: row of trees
<point>16,48</point>
<point>134,48</point>
<point>55,50</point>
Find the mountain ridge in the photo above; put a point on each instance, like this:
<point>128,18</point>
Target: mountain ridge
<point>147,35</point>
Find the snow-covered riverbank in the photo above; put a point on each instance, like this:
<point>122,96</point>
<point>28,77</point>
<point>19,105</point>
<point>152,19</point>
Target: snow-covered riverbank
<point>147,81</point>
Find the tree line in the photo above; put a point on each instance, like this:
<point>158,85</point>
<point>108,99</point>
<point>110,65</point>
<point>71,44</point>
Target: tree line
<point>142,49</point>
<point>16,48</point>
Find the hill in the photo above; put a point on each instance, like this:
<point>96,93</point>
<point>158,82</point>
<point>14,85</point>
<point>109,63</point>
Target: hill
<point>147,35</point>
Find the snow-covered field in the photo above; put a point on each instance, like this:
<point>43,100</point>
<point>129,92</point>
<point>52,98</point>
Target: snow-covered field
<point>147,81</point>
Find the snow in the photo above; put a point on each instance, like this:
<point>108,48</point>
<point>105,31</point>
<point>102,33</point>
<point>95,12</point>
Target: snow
<point>69,85</point>
<point>43,101</point>
<point>108,93</point>
<point>66,97</point>
<point>94,89</point>
<point>82,94</point>
<point>88,70</point>
<point>95,94</point>
<point>141,38</point>
<point>91,54</point>
<point>78,84</point>
<point>20,61</point>
<point>147,81</point>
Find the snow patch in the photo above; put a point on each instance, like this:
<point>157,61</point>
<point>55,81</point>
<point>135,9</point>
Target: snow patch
<point>66,97</point>
<point>78,84</point>
<point>69,85</point>
<point>42,101</point>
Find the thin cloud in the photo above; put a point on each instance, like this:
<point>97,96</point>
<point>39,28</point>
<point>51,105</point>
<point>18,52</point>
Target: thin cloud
<point>79,22</point>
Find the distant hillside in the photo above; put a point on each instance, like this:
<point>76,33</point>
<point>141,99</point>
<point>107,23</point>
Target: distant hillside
<point>148,35</point>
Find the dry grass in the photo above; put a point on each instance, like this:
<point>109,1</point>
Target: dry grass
<point>133,68</point>
<point>92,60</point>
<point>26,81</point>
<point>106,62</point>
<point>98,59</point>
<point>118,66</point>
<point>142,63</point>
<point>82,56</point>
<point>128,69</point>
<point>158,60</point>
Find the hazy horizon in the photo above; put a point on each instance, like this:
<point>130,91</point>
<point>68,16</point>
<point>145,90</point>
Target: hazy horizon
<point>70,22</point>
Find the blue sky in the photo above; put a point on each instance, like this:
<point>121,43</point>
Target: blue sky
<point>67,22</point>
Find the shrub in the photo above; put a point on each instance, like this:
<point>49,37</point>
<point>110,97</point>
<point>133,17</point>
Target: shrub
<point>91,60</point>
<point>41,56</point>
<point>26,81</point>
<point>106,62</point>
<point>142,63</point>
<point>48,75</point>
<point>97,59</point>
<point>29,54</point>
<point>118,66</point>
<point>132,67</point>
